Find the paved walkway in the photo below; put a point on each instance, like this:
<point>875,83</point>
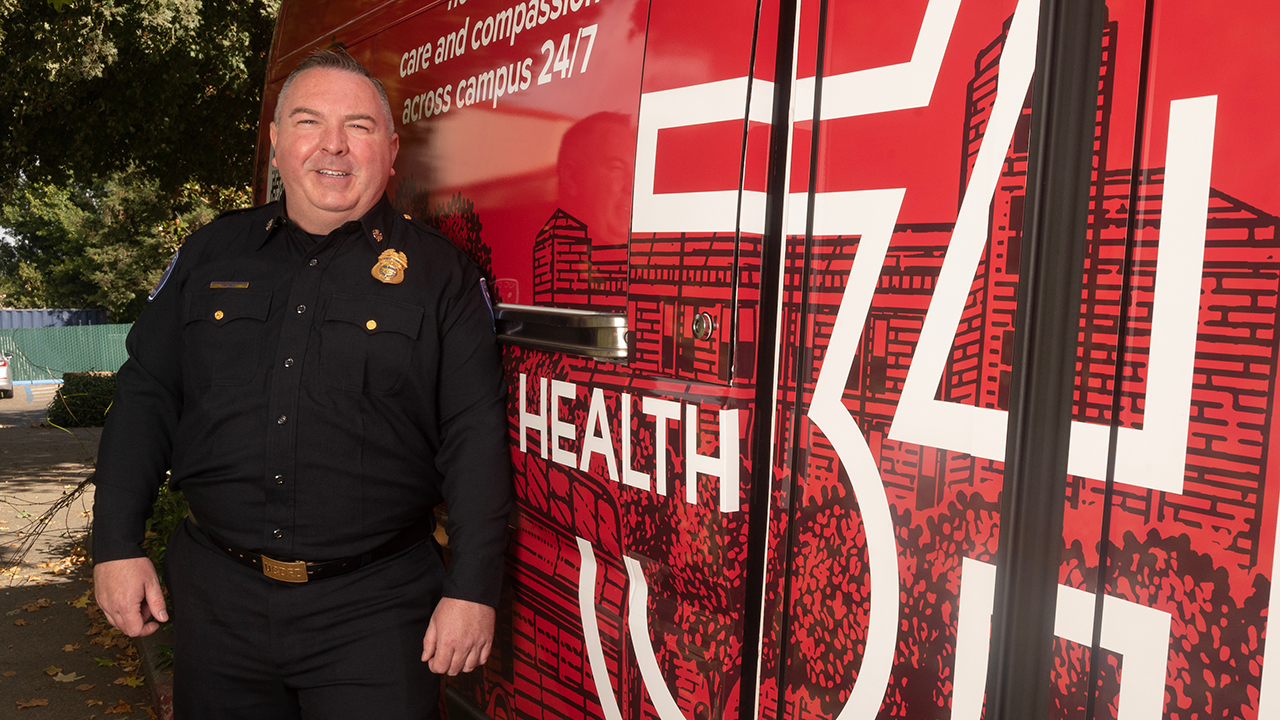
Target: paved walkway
<point>58,659</point>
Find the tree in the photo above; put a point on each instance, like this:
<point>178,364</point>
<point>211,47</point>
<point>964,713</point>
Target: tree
<point>171,87</point>
<point>102,244</point>
<point>128,125</point>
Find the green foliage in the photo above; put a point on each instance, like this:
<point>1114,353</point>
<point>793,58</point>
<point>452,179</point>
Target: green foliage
<point>167,512</point>
<point>172,87</point>
<point>127,125</point>
<point>102,244</point>
<point>83,400</point>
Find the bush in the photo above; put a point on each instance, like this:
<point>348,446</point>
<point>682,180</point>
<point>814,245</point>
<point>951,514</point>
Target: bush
<point>83,400</point>
<point>169,510</point>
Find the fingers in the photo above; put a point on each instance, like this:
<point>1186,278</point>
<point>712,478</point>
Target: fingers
<point>128,591</point>
<point>429,645</point>
<point>129,620</point>
<point>477,657</point>
<point>442,660</point>
<point>461,635</point>
<point>155,600</point>
<point>450,655</point>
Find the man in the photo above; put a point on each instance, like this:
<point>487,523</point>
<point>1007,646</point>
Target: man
<point>318,373</point>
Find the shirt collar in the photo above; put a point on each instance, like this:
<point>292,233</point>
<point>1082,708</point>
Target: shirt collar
<point>375,225</point>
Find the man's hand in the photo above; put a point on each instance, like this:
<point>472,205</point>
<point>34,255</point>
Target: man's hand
<point>458,637</point>
<point>128,591</point>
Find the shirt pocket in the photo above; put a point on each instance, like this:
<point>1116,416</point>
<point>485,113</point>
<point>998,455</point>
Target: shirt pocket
<point>367,342</point>
<point>223,335</point>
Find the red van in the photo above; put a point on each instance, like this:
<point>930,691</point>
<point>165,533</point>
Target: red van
<point>758,270</point>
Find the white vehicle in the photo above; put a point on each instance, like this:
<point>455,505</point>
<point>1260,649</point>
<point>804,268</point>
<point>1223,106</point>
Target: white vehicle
<point>6,378</point>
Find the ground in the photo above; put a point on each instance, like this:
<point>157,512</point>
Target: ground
<point>58,658</point>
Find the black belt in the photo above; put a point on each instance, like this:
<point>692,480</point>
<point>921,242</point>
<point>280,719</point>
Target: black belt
<point>299,571</point>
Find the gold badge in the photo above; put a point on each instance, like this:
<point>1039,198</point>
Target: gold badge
<point>390,267</point>
<point>377,235</point>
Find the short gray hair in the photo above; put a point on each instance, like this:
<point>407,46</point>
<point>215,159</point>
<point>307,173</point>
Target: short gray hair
<point>336,60</point>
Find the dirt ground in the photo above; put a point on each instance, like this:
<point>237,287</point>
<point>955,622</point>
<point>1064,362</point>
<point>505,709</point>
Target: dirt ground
<point>58,659</point>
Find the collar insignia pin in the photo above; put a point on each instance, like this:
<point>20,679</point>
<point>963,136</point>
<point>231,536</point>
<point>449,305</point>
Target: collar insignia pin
<point>377,235</point>
<point>390,266</point>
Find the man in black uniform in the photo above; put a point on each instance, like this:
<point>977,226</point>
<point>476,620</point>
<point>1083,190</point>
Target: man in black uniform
<point>318,373</point>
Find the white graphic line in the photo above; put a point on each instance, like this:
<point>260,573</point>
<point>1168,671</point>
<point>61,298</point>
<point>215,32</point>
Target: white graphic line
<point>891,87</point>
<point>638,626</point>
<point>1139,634</point>
<point>591,632</point>
<point>919,419</point>
<point>871,214</point>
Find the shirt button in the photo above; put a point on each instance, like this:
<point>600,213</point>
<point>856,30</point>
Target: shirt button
<point>288,362</point>
<point>277,533</point>
<point>302,309</point>
<point>282,420</point>
<point>279,479</point>
<point>312,262</point>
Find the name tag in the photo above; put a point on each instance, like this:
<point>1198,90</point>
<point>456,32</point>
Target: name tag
<point>227,284</point>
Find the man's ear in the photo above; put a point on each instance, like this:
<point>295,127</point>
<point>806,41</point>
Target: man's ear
<point>395,150</point>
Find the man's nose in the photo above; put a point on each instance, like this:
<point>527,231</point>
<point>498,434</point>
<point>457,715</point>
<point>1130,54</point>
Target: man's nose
<point>334,140</point>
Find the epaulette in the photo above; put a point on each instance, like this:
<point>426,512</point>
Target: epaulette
<point>238,211</point>
<point>418,223</point>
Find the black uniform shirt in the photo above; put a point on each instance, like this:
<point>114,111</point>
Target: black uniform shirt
<point>309,410</point>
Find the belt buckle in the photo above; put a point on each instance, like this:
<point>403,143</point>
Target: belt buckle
<point>291,572</point>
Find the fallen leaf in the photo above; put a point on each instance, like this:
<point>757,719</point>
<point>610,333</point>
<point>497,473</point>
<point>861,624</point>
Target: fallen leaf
<point>70,648</point>
<point>91,703</point>
<point>51,670</point>
<point>10,673</point>
<point>151,713</point>
<point>19,622</point>
<point>40,604</point>
<point>34,702</point>
<point>104,662</point>
<point>122,708</point>
<point>132,681</point>
<point>67,677</point>
<point>82,601</point>
<point>84,686</point>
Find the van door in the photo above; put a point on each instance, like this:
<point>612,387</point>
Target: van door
<point>589,156</point>
<point>901,285</point>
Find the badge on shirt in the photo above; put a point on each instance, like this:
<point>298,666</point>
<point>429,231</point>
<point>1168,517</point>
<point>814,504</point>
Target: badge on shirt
<point>390,267</point>
<point>173,261</point>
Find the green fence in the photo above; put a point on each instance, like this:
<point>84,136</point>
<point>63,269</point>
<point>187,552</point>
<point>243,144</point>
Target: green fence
<point>47,353</point>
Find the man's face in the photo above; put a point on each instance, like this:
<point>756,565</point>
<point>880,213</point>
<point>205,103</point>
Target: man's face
<point>332,148</point>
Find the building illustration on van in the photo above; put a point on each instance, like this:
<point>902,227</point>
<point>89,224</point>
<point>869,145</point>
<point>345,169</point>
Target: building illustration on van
<point>668,565</point>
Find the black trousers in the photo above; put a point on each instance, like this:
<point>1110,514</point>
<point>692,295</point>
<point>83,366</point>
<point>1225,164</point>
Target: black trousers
<point>247,647</point>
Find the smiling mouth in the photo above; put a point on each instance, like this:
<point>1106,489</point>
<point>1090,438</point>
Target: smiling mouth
<point>332,173</point>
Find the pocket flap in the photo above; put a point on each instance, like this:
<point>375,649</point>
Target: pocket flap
<point>375,315</point>
<point>222,306</point>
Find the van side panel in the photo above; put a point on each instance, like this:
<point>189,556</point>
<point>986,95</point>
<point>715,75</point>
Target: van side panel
<point>611,157</point>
